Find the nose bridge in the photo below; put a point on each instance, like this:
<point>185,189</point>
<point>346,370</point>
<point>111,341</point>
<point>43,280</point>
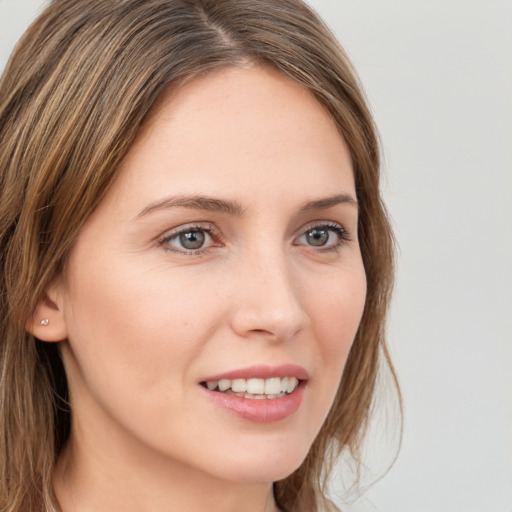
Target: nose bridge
<point>270,302</point>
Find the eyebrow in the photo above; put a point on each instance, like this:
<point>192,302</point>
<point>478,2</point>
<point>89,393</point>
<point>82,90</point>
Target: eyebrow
<point>195,202</point>
<point>329,202</point>
<point>211,204</point>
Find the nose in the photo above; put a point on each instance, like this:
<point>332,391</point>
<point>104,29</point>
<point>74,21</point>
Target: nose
<point>268,300</point>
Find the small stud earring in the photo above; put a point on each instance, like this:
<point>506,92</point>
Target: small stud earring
<point>44,322</point>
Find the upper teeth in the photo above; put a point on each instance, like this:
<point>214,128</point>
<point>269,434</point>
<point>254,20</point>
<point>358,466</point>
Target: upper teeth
<point>272,386</point>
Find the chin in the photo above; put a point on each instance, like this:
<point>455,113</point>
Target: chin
<point>268,464</point>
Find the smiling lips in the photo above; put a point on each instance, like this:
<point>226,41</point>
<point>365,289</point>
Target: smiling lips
<point>259,394</point>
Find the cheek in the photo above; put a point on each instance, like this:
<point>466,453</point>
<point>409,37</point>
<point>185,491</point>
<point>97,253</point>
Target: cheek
<point>140,321</point>
<point>336,313</point>
<point>136,330</point>
<point>132,346</point>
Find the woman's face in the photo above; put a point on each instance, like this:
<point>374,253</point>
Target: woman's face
<point>225,254</point>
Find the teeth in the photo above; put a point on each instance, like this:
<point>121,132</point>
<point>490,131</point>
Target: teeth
<point>224,384</point>
<point>212,384</point>
<point>256,388</point>
<point>273,386</point>
<point>239,385</point>
<point>292,384</point>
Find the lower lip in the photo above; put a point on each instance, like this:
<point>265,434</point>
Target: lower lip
<point>267,410</point>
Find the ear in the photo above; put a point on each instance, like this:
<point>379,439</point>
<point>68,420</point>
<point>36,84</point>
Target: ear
<point>47,322</point>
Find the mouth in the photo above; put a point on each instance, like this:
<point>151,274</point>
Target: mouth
<point>254,388</point>
<point>260,393</point>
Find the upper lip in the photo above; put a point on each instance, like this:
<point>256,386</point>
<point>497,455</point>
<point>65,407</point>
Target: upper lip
<point>262,372</point>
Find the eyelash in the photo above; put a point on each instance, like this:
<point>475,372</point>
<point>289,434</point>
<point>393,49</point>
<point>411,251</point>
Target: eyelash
<point>342,234</point>
<point>210,230</point>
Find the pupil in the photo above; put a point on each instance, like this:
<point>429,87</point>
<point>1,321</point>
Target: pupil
<point>192,239</point>
<point>318,237</point>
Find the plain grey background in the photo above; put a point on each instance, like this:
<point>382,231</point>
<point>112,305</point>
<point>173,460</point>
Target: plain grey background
<point>438,74</point>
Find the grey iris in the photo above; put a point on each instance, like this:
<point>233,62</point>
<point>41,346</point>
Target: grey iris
<point>192,239</point>
<point>317,237</point>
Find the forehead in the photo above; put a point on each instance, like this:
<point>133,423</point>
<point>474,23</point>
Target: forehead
<point>235,130</point>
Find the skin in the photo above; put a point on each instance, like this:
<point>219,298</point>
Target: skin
<point>142,320</point>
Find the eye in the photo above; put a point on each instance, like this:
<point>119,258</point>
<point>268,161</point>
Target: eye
<point>192,239</point>
<point>189,240</point>
<point>328,236</point>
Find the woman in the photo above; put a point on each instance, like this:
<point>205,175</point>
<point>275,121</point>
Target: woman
<point>196,262</point>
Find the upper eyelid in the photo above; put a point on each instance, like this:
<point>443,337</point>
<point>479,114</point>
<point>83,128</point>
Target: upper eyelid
<point>213,229</point>
<point>320,224</point>
<point>183,228</point>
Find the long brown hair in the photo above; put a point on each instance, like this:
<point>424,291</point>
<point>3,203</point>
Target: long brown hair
<point>72,99</point>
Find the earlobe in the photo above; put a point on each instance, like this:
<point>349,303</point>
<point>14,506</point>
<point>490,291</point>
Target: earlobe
<point>47,322</point>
